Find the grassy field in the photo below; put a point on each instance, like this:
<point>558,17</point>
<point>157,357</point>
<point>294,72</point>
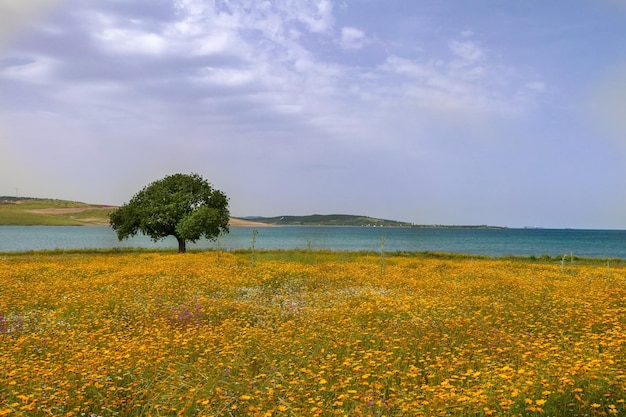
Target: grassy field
<point>28,212</point>
<point>309,334</point>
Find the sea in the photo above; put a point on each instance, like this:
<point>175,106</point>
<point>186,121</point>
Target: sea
<point>493,242</point>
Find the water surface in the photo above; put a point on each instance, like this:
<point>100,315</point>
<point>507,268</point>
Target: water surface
<point>491,242</point>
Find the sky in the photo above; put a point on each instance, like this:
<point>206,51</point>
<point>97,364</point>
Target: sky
<point>498,112</point>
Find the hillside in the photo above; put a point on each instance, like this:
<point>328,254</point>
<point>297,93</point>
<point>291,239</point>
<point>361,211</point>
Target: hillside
<point>48,212</point>
<point>26,211</point>
<point>327,220</point>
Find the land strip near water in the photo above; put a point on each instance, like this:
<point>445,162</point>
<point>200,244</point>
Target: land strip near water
<point>309,333</point>
<point>328,220</point>
<point>49,212</point>
<point>16,211</point>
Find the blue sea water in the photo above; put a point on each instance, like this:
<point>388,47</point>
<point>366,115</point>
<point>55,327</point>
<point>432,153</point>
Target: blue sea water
<point>490,242</point>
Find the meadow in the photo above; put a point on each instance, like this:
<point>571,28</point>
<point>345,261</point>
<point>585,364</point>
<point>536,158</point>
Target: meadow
<point>308,333</point>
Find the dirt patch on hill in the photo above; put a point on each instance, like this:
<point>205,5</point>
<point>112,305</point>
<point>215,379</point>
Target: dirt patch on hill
<point>70,210</point>
<point>104,221</point>
<point>241,222</point>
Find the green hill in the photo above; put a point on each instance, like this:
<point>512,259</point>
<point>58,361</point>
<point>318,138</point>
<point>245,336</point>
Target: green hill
<point>25,211</point>
<point>328,220</point>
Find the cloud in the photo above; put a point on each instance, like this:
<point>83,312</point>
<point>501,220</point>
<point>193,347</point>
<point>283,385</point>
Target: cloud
<point>352,38</point>
<point>467,81</point>
<point>466,50</point>
<point>132,42</point>
<point>241,67</point>
<point>270,91</point>
<point>34,69</point>
<point>316,15</point>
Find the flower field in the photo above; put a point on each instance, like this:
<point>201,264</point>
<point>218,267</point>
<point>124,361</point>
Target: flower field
<point>309,334</point>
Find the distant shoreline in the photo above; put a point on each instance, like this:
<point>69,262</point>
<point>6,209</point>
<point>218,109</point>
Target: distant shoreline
<point>27,211</point>
<point>236,222</point>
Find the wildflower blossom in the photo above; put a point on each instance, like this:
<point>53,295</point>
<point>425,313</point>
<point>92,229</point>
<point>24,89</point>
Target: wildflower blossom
<point>158,334</point>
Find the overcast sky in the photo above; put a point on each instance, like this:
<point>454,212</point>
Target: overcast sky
<point>497,112</point>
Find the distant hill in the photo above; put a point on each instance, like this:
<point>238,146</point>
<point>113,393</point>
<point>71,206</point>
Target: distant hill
<point>327,220</point>
<point>28,211</point>
<point>349,220</point>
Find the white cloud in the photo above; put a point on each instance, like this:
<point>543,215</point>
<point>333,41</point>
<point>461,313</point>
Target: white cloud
<point>260,52</point>
<point>215,43</point>
<point>216,80</point>
<point>440,86</point>
<point>316,15</point>
<point>259,55</point>
<point>226,77</point>
<point>407,67</point>
<point>352,38</point>
<point>193,7</point>
<point>466,50</point>
<point>248,30</point>
<point>132,41</point>
<point>35,69</point>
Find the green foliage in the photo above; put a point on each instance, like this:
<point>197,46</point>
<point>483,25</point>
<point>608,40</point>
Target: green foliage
<point>184,206</point>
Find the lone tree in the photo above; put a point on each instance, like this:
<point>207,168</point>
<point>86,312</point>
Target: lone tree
<point>184,206</point>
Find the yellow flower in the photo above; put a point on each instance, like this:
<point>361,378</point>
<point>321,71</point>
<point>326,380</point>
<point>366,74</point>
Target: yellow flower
<point>105,329</point>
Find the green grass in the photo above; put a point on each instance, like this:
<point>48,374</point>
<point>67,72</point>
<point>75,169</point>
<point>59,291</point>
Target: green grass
<point>20,218</point>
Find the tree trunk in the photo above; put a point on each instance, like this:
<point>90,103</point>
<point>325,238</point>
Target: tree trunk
<point>182,245</point>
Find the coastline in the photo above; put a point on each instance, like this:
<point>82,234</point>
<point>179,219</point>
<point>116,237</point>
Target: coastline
<point>235,222</point>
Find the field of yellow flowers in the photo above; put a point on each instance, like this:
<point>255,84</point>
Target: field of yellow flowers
<point>137,333</point>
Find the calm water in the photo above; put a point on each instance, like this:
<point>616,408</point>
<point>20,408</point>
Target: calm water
<point>492,242</point>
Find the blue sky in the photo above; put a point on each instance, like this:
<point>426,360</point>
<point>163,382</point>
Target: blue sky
<point>495,112</point>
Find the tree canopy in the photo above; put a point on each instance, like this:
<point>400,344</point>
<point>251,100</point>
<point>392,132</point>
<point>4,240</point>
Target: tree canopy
<point>180,205</point>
